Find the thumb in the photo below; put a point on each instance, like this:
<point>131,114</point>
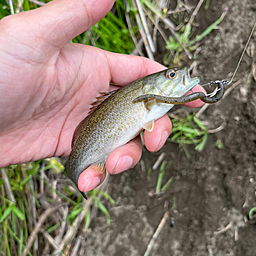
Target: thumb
<point>65,19</point>
<point>57,22</point>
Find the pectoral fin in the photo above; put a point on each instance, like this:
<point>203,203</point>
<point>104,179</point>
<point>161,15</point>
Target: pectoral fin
<point>149,126</point>
<point>149,103</point>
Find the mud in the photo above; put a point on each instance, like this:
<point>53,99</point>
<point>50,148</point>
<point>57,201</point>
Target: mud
<point>213,189</point>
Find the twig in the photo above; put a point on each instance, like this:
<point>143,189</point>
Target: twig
<point>142,33</point>
<point>19,6</point>
<point>11,6</point>
<point>156,22</point>
<point>158,161</point>
<point>7,186</point>
<point>179,10</point>
<point>49,239</point>
<point>54,194</point>
<point>194,14</point>
<point>218,129</point>
<point>89,34</point>
<point>45,205</point>
<point>33,211</point>
<point>156,27</point>
<point>46,249</point>
<point>144,23</point>
<point>37,2</point>
<point>63,225</point>
<point>202,109</point>
<point>165,20</point>
<point>160,226</point>
<point>131,31</point>
<point>41,221</point>
<point>76,247</point>
<point>142,166</point>
<point>73,228</point>
<point>171,28</point>
<point>135,51</point>
<point>42,174</point>
<point>231,88</point>
<point>224,229</point>
<point>236,234</point>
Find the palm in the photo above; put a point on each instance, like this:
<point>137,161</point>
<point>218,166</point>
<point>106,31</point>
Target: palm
<point>48,84</point>
<point>49,96</point>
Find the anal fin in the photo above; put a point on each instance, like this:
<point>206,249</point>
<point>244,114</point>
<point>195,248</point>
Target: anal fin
<point>149,126</point>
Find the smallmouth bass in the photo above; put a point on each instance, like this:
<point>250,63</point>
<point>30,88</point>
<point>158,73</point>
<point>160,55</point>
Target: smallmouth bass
<point>118,117</point>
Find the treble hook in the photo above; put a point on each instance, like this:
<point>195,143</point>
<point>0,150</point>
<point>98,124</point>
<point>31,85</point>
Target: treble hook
<point>190,97</point>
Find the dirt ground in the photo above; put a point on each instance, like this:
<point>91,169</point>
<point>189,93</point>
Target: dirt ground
<point>213,189</point>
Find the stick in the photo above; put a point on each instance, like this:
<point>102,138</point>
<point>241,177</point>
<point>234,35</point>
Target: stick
<point>144,23</point>
<point>11,6</point>
<point>131,31</point>
<point>194,14</point>
<point>42,174</point>
<point>58,238</point>
<point>37,2</point>
<point>8,186</point>
<point>218,129</point>
<point>33,211</point>
<point>142,166</point>
<point>49,239</point>
<point>156,27</point>
<point>76,247</point>
<point>19,6</point>
<point>158,161</point>
<point>224,229</point>
<point>41,221</point>
<point>73,228</point>
<point>171,28</point>
<point>160,226</point>
<point>142,33</point>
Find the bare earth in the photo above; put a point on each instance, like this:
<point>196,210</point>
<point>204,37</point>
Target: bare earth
<point>212,189</point>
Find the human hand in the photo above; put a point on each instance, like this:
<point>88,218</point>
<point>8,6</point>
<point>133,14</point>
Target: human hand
<point>47,85</point>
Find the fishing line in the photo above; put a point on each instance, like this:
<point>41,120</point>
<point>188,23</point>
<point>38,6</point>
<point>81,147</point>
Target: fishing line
<point>243,53</point>
<point>238,64</point>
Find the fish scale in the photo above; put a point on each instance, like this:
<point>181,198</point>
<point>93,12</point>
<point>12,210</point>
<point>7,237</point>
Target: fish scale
<point>118,118</point>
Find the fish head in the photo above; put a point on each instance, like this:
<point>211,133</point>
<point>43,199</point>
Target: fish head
<point>173,82</point>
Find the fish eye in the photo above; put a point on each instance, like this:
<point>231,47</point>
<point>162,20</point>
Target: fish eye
<point>170,73</point>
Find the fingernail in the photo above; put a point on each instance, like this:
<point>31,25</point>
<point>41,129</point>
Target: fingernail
<point>164,137</point>
<point>92,183</point>
<point>124,163</point>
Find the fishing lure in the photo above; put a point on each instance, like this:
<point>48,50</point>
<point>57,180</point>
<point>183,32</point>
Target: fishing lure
<point>191,97</point>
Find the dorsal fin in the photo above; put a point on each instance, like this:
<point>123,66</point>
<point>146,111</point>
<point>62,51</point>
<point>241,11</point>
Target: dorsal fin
<point>99,100</point>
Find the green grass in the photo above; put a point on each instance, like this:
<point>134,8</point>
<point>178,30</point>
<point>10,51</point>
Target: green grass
<point>189,130</point>
<point>189,41</point>
<point>27,181</point>
<point>16,219</point>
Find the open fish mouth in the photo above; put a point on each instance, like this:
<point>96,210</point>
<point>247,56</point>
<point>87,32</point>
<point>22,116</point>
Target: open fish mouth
<point>189,82</point>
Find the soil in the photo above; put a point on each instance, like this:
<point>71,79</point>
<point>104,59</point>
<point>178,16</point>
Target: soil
<point>214,188</point>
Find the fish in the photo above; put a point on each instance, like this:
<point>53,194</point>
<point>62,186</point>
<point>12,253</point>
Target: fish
<point>117,117</point>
